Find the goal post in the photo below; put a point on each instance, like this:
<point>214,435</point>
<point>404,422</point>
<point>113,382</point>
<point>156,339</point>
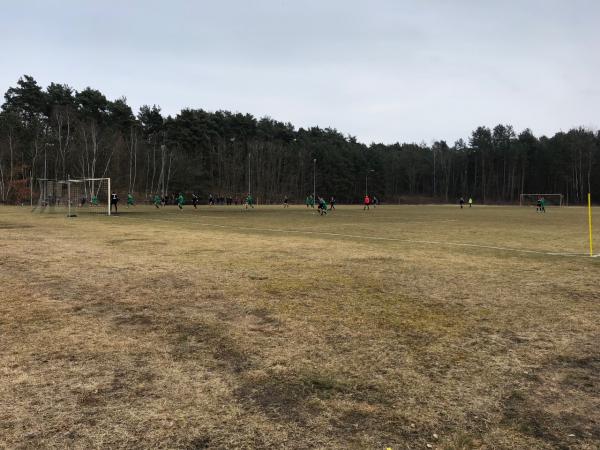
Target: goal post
<point>75,196</point>
<point>90,195</point>
<point>531,199</point>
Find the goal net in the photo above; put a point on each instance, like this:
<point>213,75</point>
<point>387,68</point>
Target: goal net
<point>532,199</point>
<point>75,196</point>
<point>53,194</point>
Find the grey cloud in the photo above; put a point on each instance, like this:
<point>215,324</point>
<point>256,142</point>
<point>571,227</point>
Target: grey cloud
<point>381,70</point>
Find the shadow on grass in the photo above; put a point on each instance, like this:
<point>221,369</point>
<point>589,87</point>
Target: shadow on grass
<point>558,406</point>
<point>202,338</point>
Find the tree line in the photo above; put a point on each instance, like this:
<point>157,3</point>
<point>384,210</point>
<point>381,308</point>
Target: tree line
<point>57,132</point>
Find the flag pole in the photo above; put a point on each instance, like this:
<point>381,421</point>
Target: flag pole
<point>590,223</point>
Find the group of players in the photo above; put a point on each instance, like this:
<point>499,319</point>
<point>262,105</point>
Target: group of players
<point>248,202</point>
<point>179,199</point>
<point>461,201</point>
<point>161,201</point>
<point>321,203</point>
<point>323,207</point>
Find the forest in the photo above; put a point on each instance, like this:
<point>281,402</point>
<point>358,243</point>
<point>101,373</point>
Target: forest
<point>58,132</point>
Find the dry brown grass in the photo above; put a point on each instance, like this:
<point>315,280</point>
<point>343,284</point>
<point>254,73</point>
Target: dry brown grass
<point>225,329</point>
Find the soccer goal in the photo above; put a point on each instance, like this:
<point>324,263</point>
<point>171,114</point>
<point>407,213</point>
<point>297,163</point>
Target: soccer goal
<point>532,199</point>
<point>75,196</point>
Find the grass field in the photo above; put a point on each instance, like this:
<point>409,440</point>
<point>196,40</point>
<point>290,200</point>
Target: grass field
<point>400,327</point>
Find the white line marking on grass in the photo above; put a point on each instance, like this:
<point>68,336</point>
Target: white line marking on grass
<point>381,238</point>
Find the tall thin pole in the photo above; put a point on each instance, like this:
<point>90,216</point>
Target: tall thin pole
<point>109,198</point>
<point>590,223</point>
<point>68,199</point>
<point>248,173</point>
<point>434,171</point>
<point>315,179</point>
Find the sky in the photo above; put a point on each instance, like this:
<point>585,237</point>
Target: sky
<point>381,70</point>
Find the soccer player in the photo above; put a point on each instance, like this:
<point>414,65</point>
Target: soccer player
<point>322,206</point>
<point>375,201</point>
<point>311,201</point>
<point>211,200</point>
<point>114,200</point>
<point>180,201</point>
<point>462,202</point>
<point>249,201</point>
<point>81,201</point>
<point>542,205</point>
<point>470,202</point>
<point>332,203</point>
<point>538,205</point>
<point>286,203</point>
<point>367,202</point>
<point>195,200</point>
<point>129,200</point>
<point>157,201</point>
<point>94,200</point>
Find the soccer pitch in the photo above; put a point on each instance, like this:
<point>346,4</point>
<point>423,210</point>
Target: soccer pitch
<point>401,327</point>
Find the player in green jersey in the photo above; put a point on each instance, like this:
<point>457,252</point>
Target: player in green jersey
<point>249,201</point>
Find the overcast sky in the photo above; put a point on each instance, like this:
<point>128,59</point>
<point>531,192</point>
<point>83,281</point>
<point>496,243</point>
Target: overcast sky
<point>384,71</point>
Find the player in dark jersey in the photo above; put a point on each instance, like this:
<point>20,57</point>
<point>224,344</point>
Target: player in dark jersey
<point>114,200</point>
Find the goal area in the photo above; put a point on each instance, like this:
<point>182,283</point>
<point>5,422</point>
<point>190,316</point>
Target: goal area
<point>532,199</point>
<point>74,196</point>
